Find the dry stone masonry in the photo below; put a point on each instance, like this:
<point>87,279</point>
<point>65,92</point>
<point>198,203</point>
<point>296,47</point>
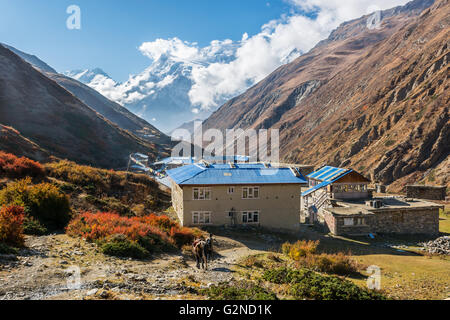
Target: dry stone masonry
<point>426,192</point>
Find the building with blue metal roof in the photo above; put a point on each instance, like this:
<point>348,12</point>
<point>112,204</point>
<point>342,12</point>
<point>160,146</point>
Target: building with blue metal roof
<point>331,183</point>
<point>237,194</point>
<point>235,174</point>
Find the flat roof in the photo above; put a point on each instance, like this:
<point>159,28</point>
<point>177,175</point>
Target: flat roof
<point>359,207</point>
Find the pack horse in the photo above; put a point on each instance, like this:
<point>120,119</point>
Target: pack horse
<point>203,250</point>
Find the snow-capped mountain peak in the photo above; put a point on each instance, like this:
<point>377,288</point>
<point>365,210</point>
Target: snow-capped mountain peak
<point>86,76</point>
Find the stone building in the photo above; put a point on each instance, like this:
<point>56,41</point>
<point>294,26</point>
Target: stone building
<point>339,200</point>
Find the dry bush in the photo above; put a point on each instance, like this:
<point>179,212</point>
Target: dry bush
<point>151,232</point>
<point>11,226</point>
<point>14,167</point>
<point>252,262</point>
<point>300,249</point>
<point>43,201</point>
<point>339,263</point>
<point>304,254</point>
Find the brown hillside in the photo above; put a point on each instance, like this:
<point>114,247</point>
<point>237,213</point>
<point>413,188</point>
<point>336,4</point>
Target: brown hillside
<point>12,141</point>
<point>57,121</point>
<point>113,111</point>
<point>374,100</point>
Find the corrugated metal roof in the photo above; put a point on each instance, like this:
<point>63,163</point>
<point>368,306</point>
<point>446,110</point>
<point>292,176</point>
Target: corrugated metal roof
<point>315,188</point>
<point>327,173</point>
<point>239,174</point>
<point>336,174</point>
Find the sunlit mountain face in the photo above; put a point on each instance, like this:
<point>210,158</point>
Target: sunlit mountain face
<point>183,82</point>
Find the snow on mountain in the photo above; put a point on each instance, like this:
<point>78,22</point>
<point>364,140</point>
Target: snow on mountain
<point>184,82</point>
<point>86,76</point>
<point>160,94</point>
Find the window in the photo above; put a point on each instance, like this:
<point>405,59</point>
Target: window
<point>202,194</point>
<point>201,217</point>
<point>230,190</point>
<point>250,217</point>
<point>250,193</point>
<point>360,221</point>
<point>349,222</point>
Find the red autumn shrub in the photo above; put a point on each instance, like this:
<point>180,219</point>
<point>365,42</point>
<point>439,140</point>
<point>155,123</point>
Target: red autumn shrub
<point>11,226</point>
<point>148,229</point>
<point>162,222</point>
<point>98,226</point>
<point>182,236</point>
<point>14,167</point>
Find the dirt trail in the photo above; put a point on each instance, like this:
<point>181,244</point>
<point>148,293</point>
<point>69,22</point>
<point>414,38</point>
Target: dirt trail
<point>49,267</point>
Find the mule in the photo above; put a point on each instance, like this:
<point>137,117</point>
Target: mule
<point>203,252</point>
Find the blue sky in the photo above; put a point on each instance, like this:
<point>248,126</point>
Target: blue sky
<point>112,31</point>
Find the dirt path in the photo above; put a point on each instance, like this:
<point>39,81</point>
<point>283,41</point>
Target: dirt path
<point>60,267</point>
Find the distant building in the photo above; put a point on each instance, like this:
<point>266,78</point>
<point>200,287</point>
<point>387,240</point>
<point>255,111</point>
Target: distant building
<point>174,162</point>
<point>332,183</point>
<point>237,194</point>
<point>339,200</point>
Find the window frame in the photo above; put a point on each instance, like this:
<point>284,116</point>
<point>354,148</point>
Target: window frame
<point>201,218</point>
<point>201,191</point>
<point>247,189</point>
<point>245,217</point>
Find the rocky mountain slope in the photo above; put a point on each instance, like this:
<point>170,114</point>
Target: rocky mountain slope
<point>113,111</point>
<point>12,141</point>
<point>50,116</point>
<point>374,99</point>
<point>31,59</point>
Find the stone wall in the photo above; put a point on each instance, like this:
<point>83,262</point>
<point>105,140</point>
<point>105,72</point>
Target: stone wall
<point>328,222</point>
<point>426,192</point>
<point>414,221</point>
<point>407,221</point>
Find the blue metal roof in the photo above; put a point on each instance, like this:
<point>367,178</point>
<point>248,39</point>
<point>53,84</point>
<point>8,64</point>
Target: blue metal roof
<point>239,174</point>
<point>328,173</point>
<point>315,188</point>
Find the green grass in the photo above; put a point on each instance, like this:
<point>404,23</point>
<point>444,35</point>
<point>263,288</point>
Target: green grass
<point>410,276</point>
<point>444,225</point>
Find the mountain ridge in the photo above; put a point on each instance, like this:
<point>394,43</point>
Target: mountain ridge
<point>358,114</point>
<point>47,114</point>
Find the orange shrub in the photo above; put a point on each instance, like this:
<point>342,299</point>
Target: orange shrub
<point>182,236</point>
<point>162,222</point>
<point>149,229</point>
<point>14,167</point>
<point>339,263</point>
<point>300,249</point>
<point>11,226</point>
<point>98,226</point>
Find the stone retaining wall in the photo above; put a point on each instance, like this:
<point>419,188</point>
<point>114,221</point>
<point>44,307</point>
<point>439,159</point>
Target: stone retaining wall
<point>426,192</point>
<point>413,221</point>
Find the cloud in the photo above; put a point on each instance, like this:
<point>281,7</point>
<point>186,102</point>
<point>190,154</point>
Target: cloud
<point>226,68</point>
<point>280,41</point>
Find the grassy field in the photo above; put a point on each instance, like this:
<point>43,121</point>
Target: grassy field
<point>413,276</point>
<point>445,220</point>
